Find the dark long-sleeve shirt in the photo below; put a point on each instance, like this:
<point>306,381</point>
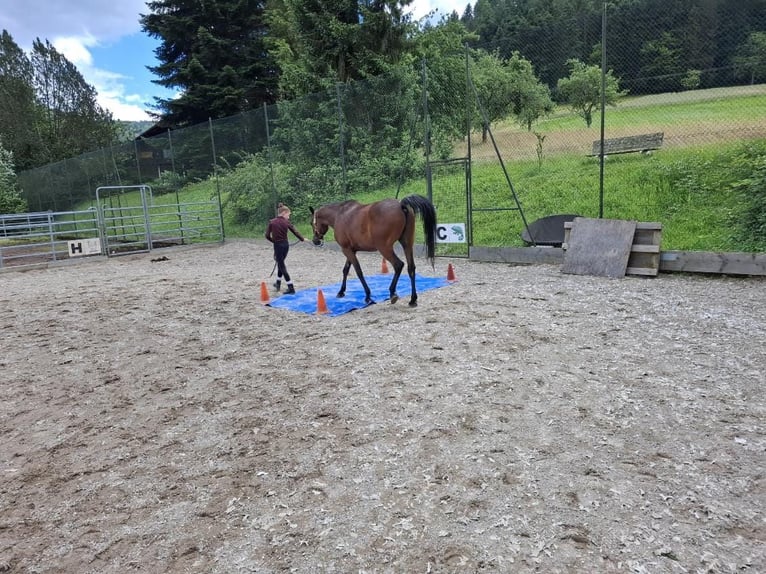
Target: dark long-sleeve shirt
<point>278,228</point>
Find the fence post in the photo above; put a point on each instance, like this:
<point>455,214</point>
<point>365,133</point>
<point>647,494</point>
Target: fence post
<point>603,115</point>
<point>114,165</point>
<point>215,171</point>
<point>52,234</point>
<point>173,155</point>
<point>138,161</point>
<point>340,142</point>
<point>271,158</point>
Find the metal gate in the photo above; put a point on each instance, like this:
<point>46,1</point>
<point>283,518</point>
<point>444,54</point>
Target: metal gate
<point>139,222</point>
<point>449,187</point>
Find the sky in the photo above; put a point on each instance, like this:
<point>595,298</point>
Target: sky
<point>103,39</point>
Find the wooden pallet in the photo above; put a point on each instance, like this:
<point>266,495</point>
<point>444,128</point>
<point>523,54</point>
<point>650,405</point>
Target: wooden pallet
<point>644,253</point>
<point>598,247</point>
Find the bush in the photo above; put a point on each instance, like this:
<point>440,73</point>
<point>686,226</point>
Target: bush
<point>752,189</point>
<point>10,199</point>
<point>167,182</point>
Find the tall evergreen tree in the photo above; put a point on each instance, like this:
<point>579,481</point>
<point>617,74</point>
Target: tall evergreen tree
<point>737,20</point>
<point>357,40</point>
<point>213,53</point>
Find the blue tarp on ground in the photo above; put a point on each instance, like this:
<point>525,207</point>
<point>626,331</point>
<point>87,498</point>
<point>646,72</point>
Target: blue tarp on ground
<point>305,300</point>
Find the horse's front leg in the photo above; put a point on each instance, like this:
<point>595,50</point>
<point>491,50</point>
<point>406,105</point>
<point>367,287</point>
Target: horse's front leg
<point>367,293</point>
<point>346,267</point>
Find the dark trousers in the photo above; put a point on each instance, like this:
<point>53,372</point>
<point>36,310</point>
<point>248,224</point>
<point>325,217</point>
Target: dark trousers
<point>280,254</point>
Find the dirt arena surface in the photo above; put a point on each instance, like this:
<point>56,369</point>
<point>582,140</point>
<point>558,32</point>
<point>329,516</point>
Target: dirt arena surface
<point>156,417</point>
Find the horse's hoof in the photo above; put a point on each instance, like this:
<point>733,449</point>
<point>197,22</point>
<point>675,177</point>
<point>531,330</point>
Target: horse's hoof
<point>341,294</point>
<point>413,303</point>
<point>369,301</point>
<point>394,298</point>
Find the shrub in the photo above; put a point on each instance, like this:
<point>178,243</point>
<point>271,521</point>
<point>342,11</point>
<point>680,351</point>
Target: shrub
<point>10,199</point>
<point>752,189</point>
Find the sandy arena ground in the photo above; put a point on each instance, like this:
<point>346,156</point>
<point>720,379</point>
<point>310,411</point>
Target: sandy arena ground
<point>156,417</point>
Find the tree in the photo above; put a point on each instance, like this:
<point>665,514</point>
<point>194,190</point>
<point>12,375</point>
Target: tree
<point>751,56</point>
<point>697,36</point>
<point>442,49</point>
<point>18,110</point>
<point>70,119</point>
<point>494,87</point>
<point>548,32</point>
<point>467,16</point>
<point>359,40</point>
<point>214,54</point>
<point>284,44</point>
<point>508,87</point>
<point>484,20</point>
<point>49,112</point>
<point>691,80</point>
<point>10,200</point>
<point>664,61</point>
<point>531,98</point>
<point>582,89</point>
<point>738,19</point>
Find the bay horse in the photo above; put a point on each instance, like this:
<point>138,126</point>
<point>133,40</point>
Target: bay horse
<point>377,227</point>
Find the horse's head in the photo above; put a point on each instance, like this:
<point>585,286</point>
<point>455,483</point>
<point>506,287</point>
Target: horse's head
<point>318,225</point>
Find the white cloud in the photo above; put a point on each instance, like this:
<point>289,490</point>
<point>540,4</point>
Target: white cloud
<point>423,8</point>
<point>76,49</point>
<point>113,94</point>
<point>75,28</point>
<point>124,110</point>
<point>26,20</point>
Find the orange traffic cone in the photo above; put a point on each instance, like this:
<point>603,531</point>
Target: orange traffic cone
<point>264,293</point>
<point>384,266</point>
<point>450,273</point>
<point>321,305</point>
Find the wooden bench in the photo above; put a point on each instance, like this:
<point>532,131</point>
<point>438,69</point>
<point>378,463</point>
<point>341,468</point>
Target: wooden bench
<point>628,144</point>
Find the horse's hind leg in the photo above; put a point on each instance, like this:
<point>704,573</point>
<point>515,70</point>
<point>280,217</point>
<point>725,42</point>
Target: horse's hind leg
<point>407,240</point>
<point>408,251</point>
<point>398,264</point>
<point>346,267</point>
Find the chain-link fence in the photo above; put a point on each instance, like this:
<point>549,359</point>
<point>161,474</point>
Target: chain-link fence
<point>521,161</point>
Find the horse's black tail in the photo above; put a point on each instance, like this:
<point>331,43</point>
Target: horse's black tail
<point>422,206</point>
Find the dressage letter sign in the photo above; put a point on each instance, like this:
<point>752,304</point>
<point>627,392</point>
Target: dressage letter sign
<point>450,233</point>
<point>79,247</point>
